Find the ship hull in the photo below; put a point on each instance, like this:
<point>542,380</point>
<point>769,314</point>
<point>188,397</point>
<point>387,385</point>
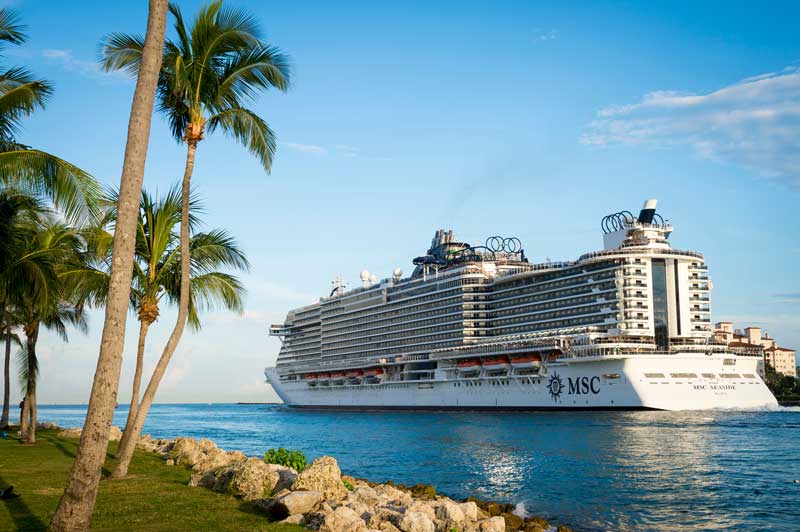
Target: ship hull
<point>634,382</point>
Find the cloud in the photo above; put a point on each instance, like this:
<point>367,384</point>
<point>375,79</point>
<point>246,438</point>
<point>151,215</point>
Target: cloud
<point>788,297</point>
<point>754,123</point>
<point>81,66</point>
<point>307,148</point>
<point>540,35</point>
<point>347,151</point>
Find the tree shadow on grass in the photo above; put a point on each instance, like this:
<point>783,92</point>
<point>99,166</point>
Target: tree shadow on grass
<point>22,515</point>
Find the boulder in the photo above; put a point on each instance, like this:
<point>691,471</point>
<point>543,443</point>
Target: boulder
<point>513,521</point>
<point>342,519</point>
<point>252,479</point>
<point>216,458</point>
<point>493,524</point>
<point>366,495</point>
<point>114,433</point>
<point>324,476</point>
<point>541,521</point>
<point>386,526</point>
<point>451,514</point>
<point>532,527</point>
<point>286,475</point>
<point>68,434</point>
<point>562,528</point>
<point>294,520</point>
<point>470,510</point>
<point>294,503</point>
<point>494,508</point>
<point>45,425</point>
<point>423,507</point>
<point>416,522</point>
<point>423,491</point>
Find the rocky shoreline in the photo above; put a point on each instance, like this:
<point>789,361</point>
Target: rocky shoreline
<point>321,498</point>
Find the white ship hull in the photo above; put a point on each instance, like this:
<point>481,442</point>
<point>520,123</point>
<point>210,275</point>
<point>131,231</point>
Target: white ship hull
<point>633,382</point>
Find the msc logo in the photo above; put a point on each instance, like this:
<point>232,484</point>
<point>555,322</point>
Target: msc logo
<point>574,386</point>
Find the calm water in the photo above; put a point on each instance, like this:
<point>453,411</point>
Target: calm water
<point>594,471</point>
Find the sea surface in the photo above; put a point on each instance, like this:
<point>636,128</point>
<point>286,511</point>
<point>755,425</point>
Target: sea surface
<point>644,471</point>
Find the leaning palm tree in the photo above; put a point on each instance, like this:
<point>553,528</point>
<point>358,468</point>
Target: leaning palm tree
<point>71,189</point>
<point>74,512</point>
<point>207,77</point>
<point>156,274</point>
<point>9,321</point>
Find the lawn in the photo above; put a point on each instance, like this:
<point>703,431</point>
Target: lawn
<point>153,497</point>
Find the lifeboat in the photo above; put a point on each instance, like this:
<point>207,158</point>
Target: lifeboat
<point>469,366</point>
<point>337,377</point>
<point>310,377</point>
<point>354,374</point>
<point>373,372</point>
<point>323,378</point>
<point>496,363</point>
<point>526,361</point>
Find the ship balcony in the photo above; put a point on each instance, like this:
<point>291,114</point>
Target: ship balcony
<point>699,267</point>
<point>696,277</point>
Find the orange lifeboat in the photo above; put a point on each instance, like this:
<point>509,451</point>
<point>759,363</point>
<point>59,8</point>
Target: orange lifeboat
<point>373,372</point>
<point>531,360</point>
<point>469,366</point>
<point>310,377</point>
<point>337,377</point>
<point>496,363</point>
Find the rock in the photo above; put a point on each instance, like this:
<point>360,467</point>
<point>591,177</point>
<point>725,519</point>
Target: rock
<point>114,433</point>
<point>494,508</point>
<point>287,476</point>
<point>416,522</point>
<point>422,507</point>
<point>386,526</point>
<point>493,524</point>
<point>294,520</point>
<point>295,502</point>
<point>562,528</point>
<point>206,479</point>
<point>252,479</point>
<point>46,426</point>
<point>324,476</point>
<point>541,521</point>
<point>68,434</point>
<point>451,513</point>
<point>342,519</point>
<point>388,492</point>
<point>170,462</point>
<point>470,510</point>
<point>513,521</point>
<point>423,491</point>
<point>216,458</point>
<point>532,527</point>
<point>366,495</point>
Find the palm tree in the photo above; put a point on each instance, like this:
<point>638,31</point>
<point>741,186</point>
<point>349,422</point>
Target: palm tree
<point>156,272</point>
<point>41,300</point>
<point>8,321</point>
<point>207,76</point>
<point>74,512</point>
<point>71,189</point>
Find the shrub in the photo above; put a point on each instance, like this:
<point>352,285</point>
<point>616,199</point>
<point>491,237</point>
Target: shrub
<point>348,486</point>
<point>294,459</point>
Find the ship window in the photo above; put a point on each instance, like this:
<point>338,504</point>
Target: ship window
<point>729,375</point>
<point>660,314</point>
<point>709,376</point>
<point>654,375</point>
<point>683,375</point>
<point>749,376</point>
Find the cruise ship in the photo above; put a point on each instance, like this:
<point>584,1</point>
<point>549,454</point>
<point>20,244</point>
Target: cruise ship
<point>479,327</point>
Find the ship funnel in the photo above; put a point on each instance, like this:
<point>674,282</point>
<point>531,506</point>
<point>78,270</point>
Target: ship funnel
<point>648,211</point>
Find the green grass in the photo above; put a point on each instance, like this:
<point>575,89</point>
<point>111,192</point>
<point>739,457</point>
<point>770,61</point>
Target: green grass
<point>153,497</point>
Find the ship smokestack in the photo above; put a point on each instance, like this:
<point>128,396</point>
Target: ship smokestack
<point>647,212</point>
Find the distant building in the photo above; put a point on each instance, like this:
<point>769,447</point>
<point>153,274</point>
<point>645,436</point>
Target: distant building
<point>751,342</point>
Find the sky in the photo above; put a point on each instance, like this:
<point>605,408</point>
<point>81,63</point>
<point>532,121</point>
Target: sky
<point>526,119</point>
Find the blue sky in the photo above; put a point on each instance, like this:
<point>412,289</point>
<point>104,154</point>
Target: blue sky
<point>512,118</point>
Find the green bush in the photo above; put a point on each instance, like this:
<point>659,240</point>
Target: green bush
<point>347,485</point>
<point>294,459</point>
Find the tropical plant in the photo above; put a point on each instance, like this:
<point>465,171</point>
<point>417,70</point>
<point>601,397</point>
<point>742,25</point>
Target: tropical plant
<point>42,301</point>
<point>74,511</point>
<point>287,458</point>
<point>207,76</point>
<point>8,322</point>
<point>156,273</point>
<point>71,189</point>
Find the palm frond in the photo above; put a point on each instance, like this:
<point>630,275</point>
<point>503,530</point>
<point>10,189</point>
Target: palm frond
<point>214,289</point>
<point>250,130</point>
<point>20,95</point>
<point>11,31</point>
<point>250,71</point>
<point>122,51</point>
<point>71,189</point>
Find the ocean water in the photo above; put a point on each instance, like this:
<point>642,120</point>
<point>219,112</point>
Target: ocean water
<point>644,471</point>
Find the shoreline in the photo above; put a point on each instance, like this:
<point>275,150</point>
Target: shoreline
<point>320,497</point>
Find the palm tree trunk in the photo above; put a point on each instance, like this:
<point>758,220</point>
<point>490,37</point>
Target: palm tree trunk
<point>32,332</point>
<point>137,382</point>
<point>6,380</point>
<point>126,453</point>
<point>74,512</point>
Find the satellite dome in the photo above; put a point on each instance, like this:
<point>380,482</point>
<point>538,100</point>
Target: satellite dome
<point>364,275</point>
<point>373,278</point>
<point>397,273</point>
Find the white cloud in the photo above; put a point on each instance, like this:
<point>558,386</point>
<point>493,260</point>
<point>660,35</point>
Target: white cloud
<point>540,35</point>
<point>754,123</point>
<point>347,151</point>
<point>81,66</point>
<point>307,148</point>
